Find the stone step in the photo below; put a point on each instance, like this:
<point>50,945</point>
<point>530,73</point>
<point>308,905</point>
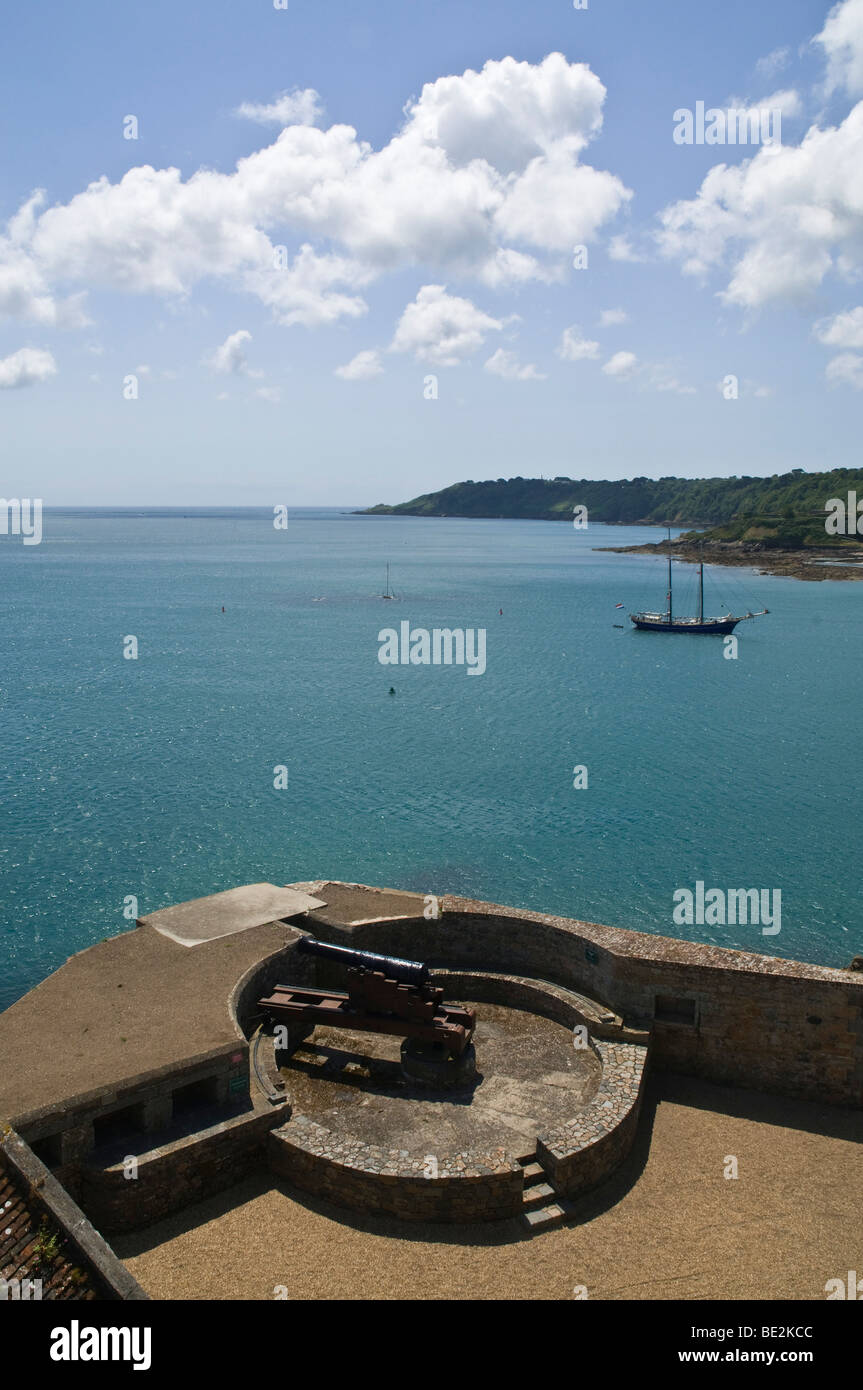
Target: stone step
<point>544,1218</point>
<point>533,1173</point>
<point>538,1196</point>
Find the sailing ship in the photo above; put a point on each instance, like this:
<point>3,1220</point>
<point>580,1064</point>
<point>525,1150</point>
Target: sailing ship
<point>670,622</point>
<point>388,592</point>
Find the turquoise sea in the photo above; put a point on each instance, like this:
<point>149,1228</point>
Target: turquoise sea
<point>154,778</point>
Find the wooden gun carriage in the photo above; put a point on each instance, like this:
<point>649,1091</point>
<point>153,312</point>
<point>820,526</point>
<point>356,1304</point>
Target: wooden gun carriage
<point>384,995</point>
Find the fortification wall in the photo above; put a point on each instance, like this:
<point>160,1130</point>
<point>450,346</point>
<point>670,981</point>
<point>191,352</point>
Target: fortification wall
<point>730,1016</point>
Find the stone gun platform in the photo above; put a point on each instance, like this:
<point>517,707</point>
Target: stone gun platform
<point>146,1044</point>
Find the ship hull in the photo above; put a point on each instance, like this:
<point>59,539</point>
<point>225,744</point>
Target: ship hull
<point>710,626</point>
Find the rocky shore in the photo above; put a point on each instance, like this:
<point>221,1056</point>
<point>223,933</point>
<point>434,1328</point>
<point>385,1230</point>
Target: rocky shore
<point>823,563</point>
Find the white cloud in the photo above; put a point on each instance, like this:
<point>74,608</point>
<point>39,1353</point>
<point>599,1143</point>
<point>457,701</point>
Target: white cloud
<point>558,203</point>
<point>230,358</point>
<point>507,267</point>
<point>26,367</point>
<point>786,101</point>
<point>24,285</point>
<point>365,365</point>
<point>846,370</point>
<point>273,394</point>
<point>510,113</point>
<point>484,178</point>
<point>773,63</point>
<point>574,347</point>
<point>842,42</point>
<point>622,364</point>
<point>291,108</point>
<point>441,328</point>
<point>611,318</point>
<point>507,365</point>
<point>311,291</point>
<point>842,330</point>
<point>620,248</point>
<point>785,218</point>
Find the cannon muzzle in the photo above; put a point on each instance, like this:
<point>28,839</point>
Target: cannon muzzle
<point>409,972</point>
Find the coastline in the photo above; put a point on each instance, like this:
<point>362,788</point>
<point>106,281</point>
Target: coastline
<point>789,564</point>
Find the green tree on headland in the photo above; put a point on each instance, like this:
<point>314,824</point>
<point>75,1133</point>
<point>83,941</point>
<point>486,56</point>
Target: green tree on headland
<point>786,510</point>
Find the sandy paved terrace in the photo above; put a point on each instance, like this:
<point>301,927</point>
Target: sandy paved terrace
<point>668,1225</point>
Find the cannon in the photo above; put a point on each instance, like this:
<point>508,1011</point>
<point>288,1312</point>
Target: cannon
<point>407,972</point>
<point>384,995</point>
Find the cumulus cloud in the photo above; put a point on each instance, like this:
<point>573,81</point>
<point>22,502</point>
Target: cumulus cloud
<point>507,267</point>
<point>846,370</point>
<point>783,219</point>
<point>26,367</point>
<point>842,330</point>
<point>842,42</point>
<point>612,318</point>
<point>485,177</point>
<point>365,365</point>
<point>312,290</point>
<point>558,203</point>
<point>273,394</point>
<point>441,328</point>
<point>510,113</point>
<point>507,365</point>
<point>779,223</point>
<point>622,364</point>
<point>231,356</point>
<point>574,347</point>
<point>25,290</point>
<point>291,108</point>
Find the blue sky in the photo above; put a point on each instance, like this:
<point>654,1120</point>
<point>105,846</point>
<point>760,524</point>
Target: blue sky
<point>439,182</point>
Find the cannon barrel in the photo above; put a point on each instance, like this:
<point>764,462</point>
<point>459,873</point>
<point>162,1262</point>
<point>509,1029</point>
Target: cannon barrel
<point>410,972</point>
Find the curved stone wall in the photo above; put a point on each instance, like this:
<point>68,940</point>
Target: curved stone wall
<point>476,1185</point>
<point>582,1151</point>
<point>470,1186</point>
<point>734,1017</point>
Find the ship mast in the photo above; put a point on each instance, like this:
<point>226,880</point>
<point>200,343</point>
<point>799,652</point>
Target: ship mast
<point>669,575</point>
<point>701,588</point>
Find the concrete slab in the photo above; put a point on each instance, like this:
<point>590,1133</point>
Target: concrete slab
<point>355,904</point>
<point>223,914</point>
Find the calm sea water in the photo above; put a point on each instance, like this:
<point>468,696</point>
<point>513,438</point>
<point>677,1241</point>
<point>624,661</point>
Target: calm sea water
<point>154,777</point>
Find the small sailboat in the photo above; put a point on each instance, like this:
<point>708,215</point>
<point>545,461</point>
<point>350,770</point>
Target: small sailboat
<point>388,593</point>
<point>670,622</point>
